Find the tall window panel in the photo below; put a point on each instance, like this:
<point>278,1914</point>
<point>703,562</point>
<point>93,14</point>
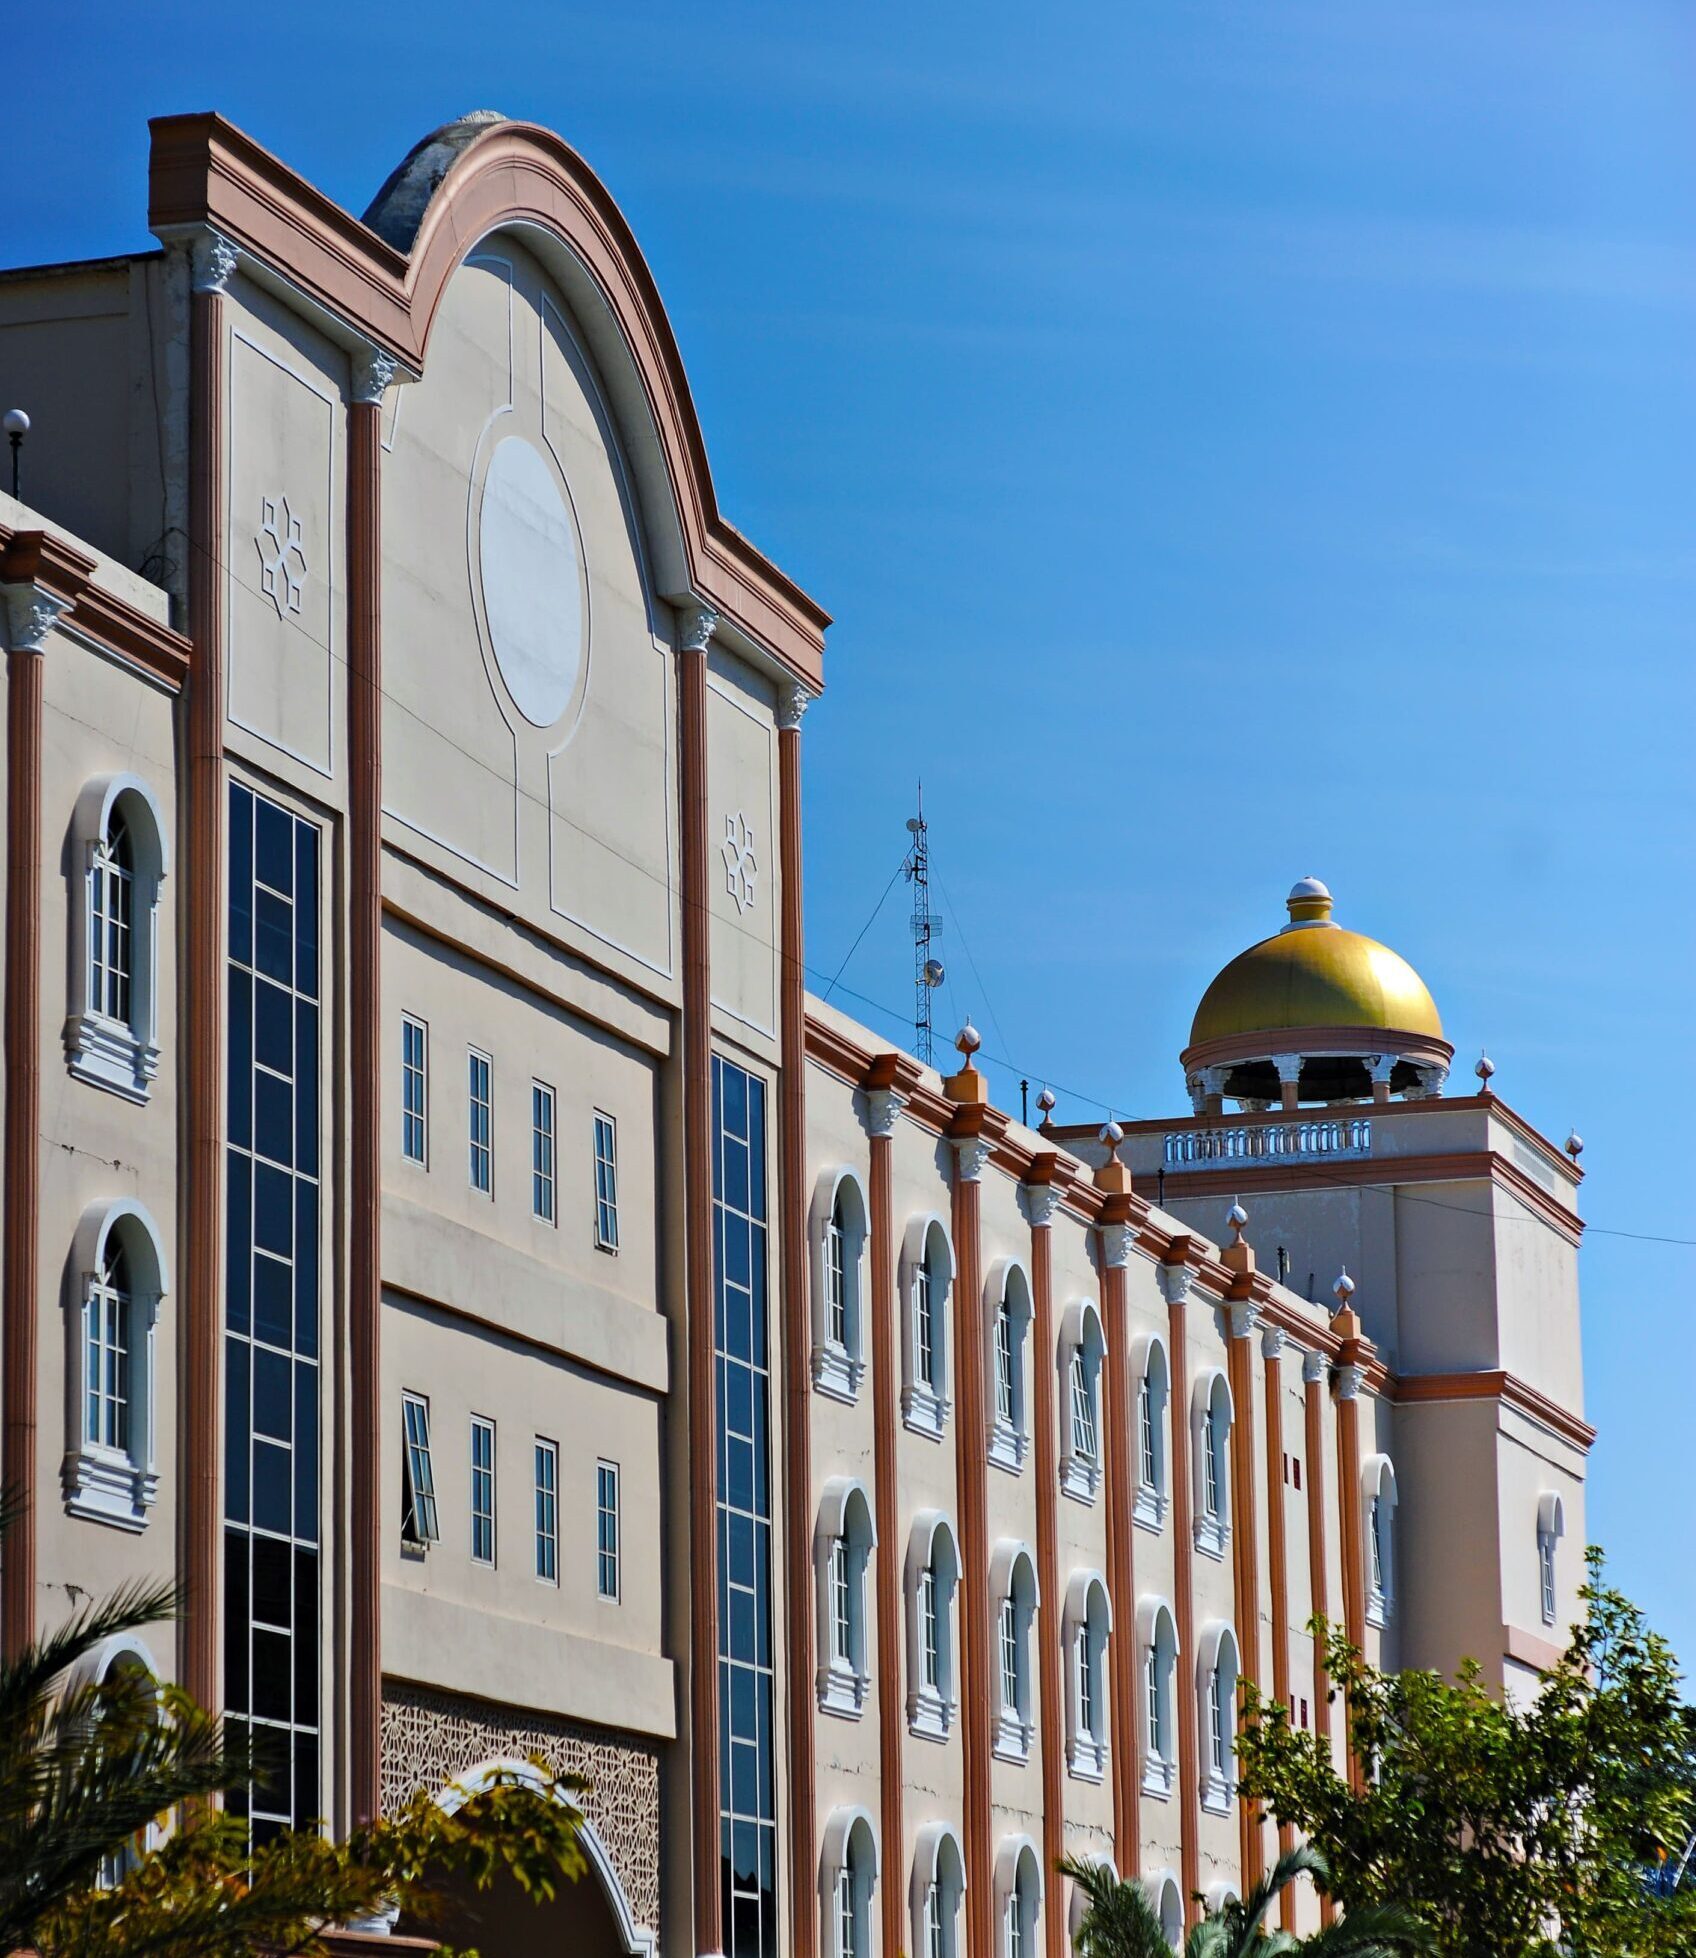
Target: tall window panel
<point>414,1088</point>
<point>272,1576</point>
<point>606,1530</point>
<point>606,1182</point>
<point>547,1511</point>
<point>542,1151</point>
<point>482,1490</point>
<point>748,1810</point>
<point>480,1133</point>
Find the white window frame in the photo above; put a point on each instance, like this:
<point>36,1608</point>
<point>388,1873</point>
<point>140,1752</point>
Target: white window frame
<point>925,1400</point>
<point>1551,1527</point>
<point>608,1475</point>
<point>848,1875</point>
<point>483,1479</point>
<point>1015,1599</point>
<point>1153,1374</point>
<point>938,1887</point>
<point>545,1510</point>
<point>1007,1304</point>
<point>1082,1357</point>
<point>1378,1529</point>
<point>844,1537</point>
<point>1211,1415</point>
<point>837,1230</point>
<point>411,1024</point>
<point>120,1055</point>
<point>1088,1631</point>
<point>606,1182</point>
<point>933,1565</point>
<point>1166,1900</point>
<point>1218,1668</point>
<point>474,1055</point>
<point>105,1483</point>
<point>1158,1652</point>
<point>421,1521</point>
<point>544,1153</point>
<point>1018,1898</point>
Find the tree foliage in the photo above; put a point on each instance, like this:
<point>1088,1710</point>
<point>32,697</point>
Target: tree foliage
<point>1508,1828</point>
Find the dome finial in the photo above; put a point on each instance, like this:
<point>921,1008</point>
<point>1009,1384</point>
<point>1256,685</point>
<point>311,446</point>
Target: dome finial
<point>1484,1069</point>
<point>1309,902</point>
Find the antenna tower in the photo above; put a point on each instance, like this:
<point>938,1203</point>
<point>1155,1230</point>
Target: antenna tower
<point>927,967</point>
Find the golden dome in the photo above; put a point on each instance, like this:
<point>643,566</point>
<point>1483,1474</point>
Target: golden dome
<point>1314,974</point>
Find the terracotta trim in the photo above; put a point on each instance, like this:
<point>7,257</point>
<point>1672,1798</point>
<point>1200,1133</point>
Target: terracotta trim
<point>20,1297</point>
<point>1051,1714</point>
<point>1530,1650</point>
<point>111,622</point>
<point>1118,1432</point>
<point>1377,1172</point>
<point>1319,1576</point>
<point>797,1438</point>
<point>202,1035</point>
<point>1409,1389</point>
<point>698,1285</point>
<point>971,1473</point>
<point>206,172</point>
<point>365,1114</point>
<point>1258,1044</point>
<point>1183,1583</point>
<point>1348,1525</point>
<point>1245,1569</point>
<point>890,1691</point>
<point>1277,1503</point>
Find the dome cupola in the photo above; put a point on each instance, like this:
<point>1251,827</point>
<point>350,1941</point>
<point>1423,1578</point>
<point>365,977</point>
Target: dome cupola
<point>1314,1013</point>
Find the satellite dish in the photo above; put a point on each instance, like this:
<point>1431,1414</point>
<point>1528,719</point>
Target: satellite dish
<point>934,974</point>
<point>914,825</point>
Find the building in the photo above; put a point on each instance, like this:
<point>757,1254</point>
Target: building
<point>441,1230</point>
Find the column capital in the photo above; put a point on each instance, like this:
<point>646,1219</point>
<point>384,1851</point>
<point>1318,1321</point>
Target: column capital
<point>971,1152</point>
<point>372,370</point>
<point>882,1106</point>
<point>1288,1066</point>
<point>1116,1242</point>
<point>1245,1318</point>
<point>1273,1340</point>
<point>1350,1380</point>
<point>1380,1067</point>
<point>793,700</point>
<point>212,261</point>
<point>1041,1200</point>
<point>1314,1367</point>
<point>32,611</point>
<point>696,625</point>
<point>1178,1284</point>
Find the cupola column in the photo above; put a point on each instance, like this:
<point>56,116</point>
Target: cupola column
<point>1289,1080</point>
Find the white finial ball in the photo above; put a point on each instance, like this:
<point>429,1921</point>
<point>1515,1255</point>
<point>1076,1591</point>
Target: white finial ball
<point>1485,1068</point>
<point>1344,1287</point>
<point>1575,1145</point>
<point>1111,1135</point>
<point>1236,1216</point>
<point>1045,1101</point>
<point>15,422</point>
<point>969,1040</point>
<point>1307,887</point>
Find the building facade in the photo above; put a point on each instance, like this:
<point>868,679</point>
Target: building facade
<point>443,1234</point>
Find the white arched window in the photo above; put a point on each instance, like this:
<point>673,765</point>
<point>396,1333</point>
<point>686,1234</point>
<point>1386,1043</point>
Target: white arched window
<point>1551,1527</point>
<point>1157,1643</point>
<point>848,1873</point>
<point>1088,1625</point>
<point>1153,1376</point>
<point>118,862</point>
<point>939,1884</point>
<point>1210,1426</point>
<point>1216,1684</point>
<point>117,1279</point>
<point>1013,1594</point>
<point>927,1277</point>
<point>838,1234</point>
<point>1082,1350</point>
<point>118,1679</point>
<point>842,1546</point>
<point>1007,1300</point>
<point>1078,1908</point>
<point>933,1576</point>
<point>1018,1898</point>
<point>1166,1900</point>
<point>1378,1516</point>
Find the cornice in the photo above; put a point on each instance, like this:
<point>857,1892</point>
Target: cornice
<point>1410,1389</point>
<point>45,562</point>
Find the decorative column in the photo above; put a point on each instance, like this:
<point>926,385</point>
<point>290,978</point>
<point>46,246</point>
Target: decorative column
<point>971,1153</point>
<point>1277,1500</point>
<point>1118,1233</point>
<point>1380,1067</point>
<point>1348,1379</point>
<point>1289,1080</point>
<point>1314,1368</point>
<point>797,1397</point>
<point>883,1104</point>
<point>1042,1199</point>
<point>1177,1281</point>
<point>212,265</point>
<point>373,370</point>
<point>1238,1257</point>
<point>696,629</point>
<point>33,608</point>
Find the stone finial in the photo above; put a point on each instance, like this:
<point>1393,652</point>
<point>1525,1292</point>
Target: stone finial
<point>1238,1256</point>
<point>1484,1068</point>
<point>1343,1289</point>
<point>968,1084</point>
<point>1045,1102</point>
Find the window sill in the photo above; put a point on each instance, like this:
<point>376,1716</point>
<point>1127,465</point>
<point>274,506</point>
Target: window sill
<point>929,1715</point>
<point>1158,1775</point>
<point>1149,1509</point>
<point>107,1054</point>
<point>1086,1758</point>
<point>1013,1738</point>
<point>103,1485</point>
<point>1216,1796</point>
<point>842,1691</point>
<point>1378,1611</point>
<point>1006,1448</point>
<point>1211,1538</point>
<point>924,1411</point>
<point>837,1373</point>
<point>1080,1478</point>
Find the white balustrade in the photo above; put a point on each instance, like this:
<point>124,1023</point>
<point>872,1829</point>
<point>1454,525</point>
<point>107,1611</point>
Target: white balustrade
<point>1258,1142</point>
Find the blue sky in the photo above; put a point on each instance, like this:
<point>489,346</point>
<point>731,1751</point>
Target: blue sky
<point>1236,441</point>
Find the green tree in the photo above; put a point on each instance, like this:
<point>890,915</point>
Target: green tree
<point>110,1843</point>
<point>1120,1923</point>
<point>1509,1829</point>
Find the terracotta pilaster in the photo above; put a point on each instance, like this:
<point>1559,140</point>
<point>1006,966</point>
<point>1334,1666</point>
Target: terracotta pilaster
<point>1042,1199</point>
<point>1245,1518</point>
<point>1177,1280</point>
<point>1314,1367</point>
<point>1272,1347</point>
<point>1113,1179</point>
<point>1351,1356</point>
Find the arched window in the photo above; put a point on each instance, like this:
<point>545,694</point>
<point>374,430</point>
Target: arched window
<point>1082,1349</point>
<point>1378,1514</point>
<point>118,862</point>
<point>1088,1624</point>
<point>1012,1589</point>
<point>1216,1681</point>
<point>939,1884</point>
<point>117,1279</point>
<point>1008,1302</point>
<point>842,1546</point>
<point>838,1258</point>
<point>117,1680</point>
<point>1154,1388</point>
<point>933,1575</point>
<point>1210,1420</point>
<point>927,1276</point>
<point>1157,1641</point>
<point>1166,1900</point>
<point>1078,1908</point>
<point>848,1873</point>
<point>1018,1898</point>
<point>1551,1527</point>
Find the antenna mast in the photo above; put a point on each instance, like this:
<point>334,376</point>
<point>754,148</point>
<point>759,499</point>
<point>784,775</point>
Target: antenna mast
<point>927,968</point>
